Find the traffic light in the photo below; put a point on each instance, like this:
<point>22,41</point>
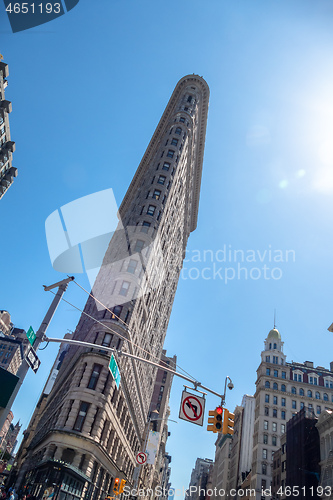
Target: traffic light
<point>122,485</point>
<point>216,421</point>
<point>228,422</point>
<point>118,486</point>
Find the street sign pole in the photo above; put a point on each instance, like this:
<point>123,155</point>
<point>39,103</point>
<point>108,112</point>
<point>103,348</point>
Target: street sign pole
<point>22,371</point>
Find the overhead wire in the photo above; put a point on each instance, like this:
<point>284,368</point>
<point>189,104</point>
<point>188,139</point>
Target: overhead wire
<point>126,324</point>
<point>118,334</point>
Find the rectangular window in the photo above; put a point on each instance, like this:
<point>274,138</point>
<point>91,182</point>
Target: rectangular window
<point>107,340</point>
<point>268,371</point>
<point>174,142</point>
<point>268,359</point>
<point>283,401</point>
<point>178,131</point>
<point>94,376</point>
<point>266,411</point>
<point>302,405</point>
<point>266,398</point>
<point>264,454</point>
<point>116,312</point>
<point>311,380</point>
<point>161,179</point>
<point>283,374</point>
<point>283,415</point>
<point>170,153</point>
<point>275,400</point>
<point>145,226</point>
<point>275,360</point>
<point>132,266</point>
<point>182,119</point>
<point>139,246</point>
<point>283,428</point>
<point>274,426</point>
<point>265,438</point>
<point>151,210</point>
<point>293,405</point>
<point>318,410</point>
<point>295,377</point>
<point>156,194</point>
<point>300,378</point>
<point>275,412</point>
<point>124,288</point>
<point>81,416</point>
<point>166,166</point>
<point>274,440</point>
<point>266,425</point>
<point>263,468</point>
<point>276,373</point>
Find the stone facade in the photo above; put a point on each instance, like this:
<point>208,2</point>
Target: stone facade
<point>88,424</point>
<point>7,147</point>
<point>282,390</point>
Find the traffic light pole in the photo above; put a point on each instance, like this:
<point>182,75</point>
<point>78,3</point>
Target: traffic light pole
<point>128,355</point>
<point>40,334</point>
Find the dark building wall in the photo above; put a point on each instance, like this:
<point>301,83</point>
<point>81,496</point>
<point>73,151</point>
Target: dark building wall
<point>303,454</point>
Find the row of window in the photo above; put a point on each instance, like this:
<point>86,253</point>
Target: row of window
<point>309,393</point>
<point>276,373</point>
<point>275,359</point>
<point>274,439</point>
<point>274,427</point>
<point>275,414</point>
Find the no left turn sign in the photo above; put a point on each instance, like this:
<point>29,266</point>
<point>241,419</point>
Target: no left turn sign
<point>192,408</point>
<point>141,458</point>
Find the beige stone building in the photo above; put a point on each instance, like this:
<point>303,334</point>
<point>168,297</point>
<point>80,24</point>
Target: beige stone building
<point>90,431</point>
<point>282,389</point>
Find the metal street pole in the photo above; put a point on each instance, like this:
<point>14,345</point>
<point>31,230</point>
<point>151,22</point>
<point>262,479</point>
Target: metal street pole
<point>23,370</point>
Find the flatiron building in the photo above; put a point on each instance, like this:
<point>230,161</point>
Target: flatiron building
<point>89,431</point>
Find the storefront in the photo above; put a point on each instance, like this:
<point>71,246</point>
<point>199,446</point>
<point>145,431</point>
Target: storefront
<point>56,480</point>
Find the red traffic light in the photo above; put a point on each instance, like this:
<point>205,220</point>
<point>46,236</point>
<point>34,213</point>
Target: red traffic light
<point>219,410</point>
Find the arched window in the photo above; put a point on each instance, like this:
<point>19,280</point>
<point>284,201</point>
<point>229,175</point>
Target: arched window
<point>283,388</point>
<point>293,390</point>
<point>317,395</point>
<point>275,386</point>
<point>267,384</point>
<point>325,397</point>
<point>270,346</point>
<point>309,394</point>
<point>301,392</point>
<point>274,346</point>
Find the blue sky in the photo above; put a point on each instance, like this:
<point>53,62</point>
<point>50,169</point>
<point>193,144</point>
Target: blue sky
<point>88,90</point>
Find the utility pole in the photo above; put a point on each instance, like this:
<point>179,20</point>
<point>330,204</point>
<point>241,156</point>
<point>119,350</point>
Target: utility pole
<point>23,370</point>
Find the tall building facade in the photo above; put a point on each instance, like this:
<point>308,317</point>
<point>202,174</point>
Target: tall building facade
<point>90,431</point>
<point>282,390</point>
<point>7,147</point>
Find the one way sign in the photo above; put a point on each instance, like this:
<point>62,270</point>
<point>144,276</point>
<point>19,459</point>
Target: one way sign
<point>32,360</point>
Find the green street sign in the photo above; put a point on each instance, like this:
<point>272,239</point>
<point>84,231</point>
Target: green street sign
<point>113,367</point>
<point>31,335</point>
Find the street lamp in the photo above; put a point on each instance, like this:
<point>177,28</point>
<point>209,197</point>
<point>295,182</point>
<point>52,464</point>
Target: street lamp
<point>230,387</point>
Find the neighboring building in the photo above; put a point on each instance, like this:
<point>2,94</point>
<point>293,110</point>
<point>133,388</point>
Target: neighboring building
<point>8,435</point>
<point>7,147</point>
<point>89,431</point>
<point>303,454</point>
<point>242,443</point>
<point>325,429</point>
<point>220,474</point>
<point>159,412</point>
<point>199,478</point>
<point>282,390</point>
